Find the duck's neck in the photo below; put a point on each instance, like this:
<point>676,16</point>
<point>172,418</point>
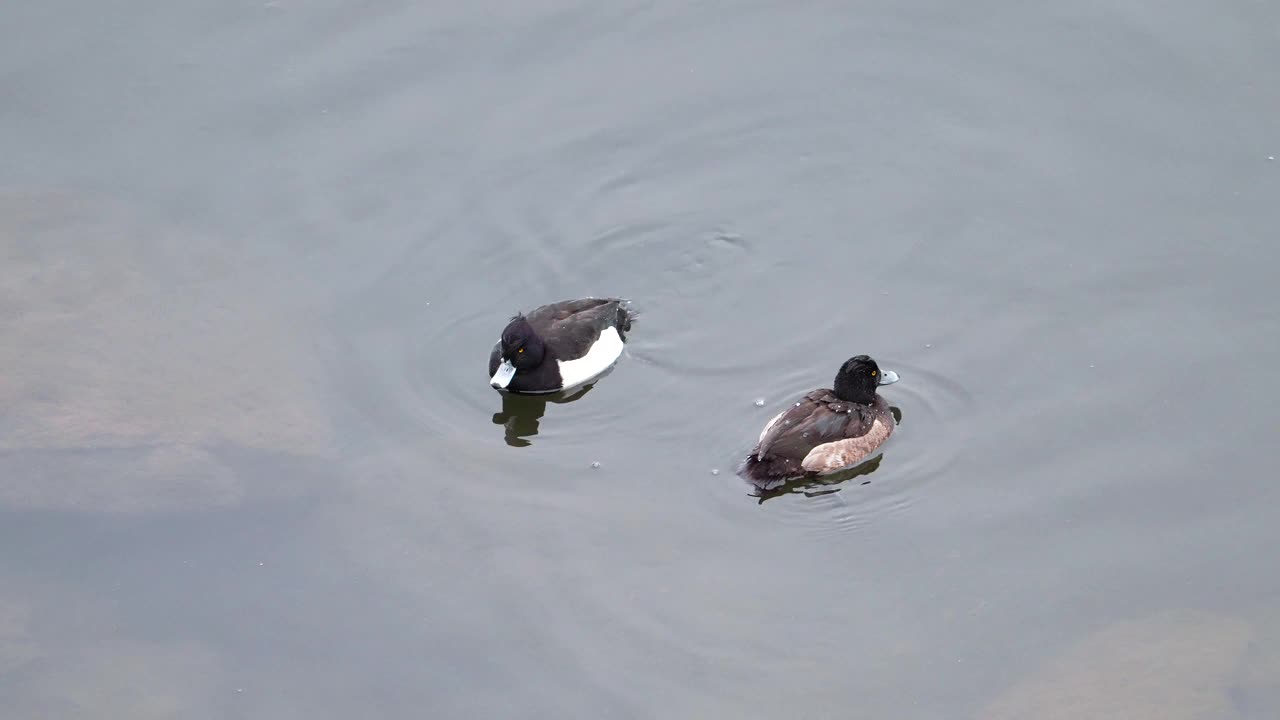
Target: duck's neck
<point>854,392</point>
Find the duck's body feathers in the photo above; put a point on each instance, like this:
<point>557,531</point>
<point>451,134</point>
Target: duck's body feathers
<point>818,435</point>
<point>581,340</point>
<point>571,327</point>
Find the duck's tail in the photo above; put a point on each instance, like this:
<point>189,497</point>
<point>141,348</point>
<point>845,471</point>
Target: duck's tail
<point>769,469</point>
<point>626,315</point>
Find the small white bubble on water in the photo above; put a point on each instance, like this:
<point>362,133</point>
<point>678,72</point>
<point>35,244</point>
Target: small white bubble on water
<point>1090,364</point>
<point>759,402</point>
<point>1271,157</point>
<point>595,464</point>
<point>928,345</point>
<point>715,471</point>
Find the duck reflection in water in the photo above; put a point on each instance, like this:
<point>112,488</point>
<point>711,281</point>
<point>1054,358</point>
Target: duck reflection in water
<point>520,413</point>
<point>815,486</point>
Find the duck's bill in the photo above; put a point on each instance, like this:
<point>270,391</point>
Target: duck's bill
<point>502,377</point>
<point>888,377</point>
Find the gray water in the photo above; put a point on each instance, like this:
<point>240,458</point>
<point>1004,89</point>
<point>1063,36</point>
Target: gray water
<point>253,257</point>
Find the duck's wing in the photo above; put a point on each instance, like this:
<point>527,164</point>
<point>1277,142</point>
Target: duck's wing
<point>769,426</point>
<point>570,328</point>
<point>548,315</point>
<point>818,418</point>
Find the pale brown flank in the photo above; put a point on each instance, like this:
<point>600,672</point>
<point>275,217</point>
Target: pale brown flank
<point>838,455</point>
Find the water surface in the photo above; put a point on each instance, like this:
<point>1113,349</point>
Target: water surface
<point>253,257</point>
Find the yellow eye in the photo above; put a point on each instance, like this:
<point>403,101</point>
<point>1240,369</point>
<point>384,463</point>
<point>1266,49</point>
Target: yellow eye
<point>873,373</point>
<point>520,350</point>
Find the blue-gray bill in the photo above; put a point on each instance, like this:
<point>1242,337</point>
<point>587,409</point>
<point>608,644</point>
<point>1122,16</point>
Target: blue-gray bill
<point>502,377</point>
<point>888,377</point>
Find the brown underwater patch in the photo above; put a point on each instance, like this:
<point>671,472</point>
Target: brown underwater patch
<point>132,337</point>
<point>1173,666</point>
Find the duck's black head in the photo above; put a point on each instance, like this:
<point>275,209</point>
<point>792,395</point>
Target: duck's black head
<point>858,379</point>
<point>521,349</point>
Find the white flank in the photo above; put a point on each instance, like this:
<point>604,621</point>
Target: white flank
<point>599,357</point>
